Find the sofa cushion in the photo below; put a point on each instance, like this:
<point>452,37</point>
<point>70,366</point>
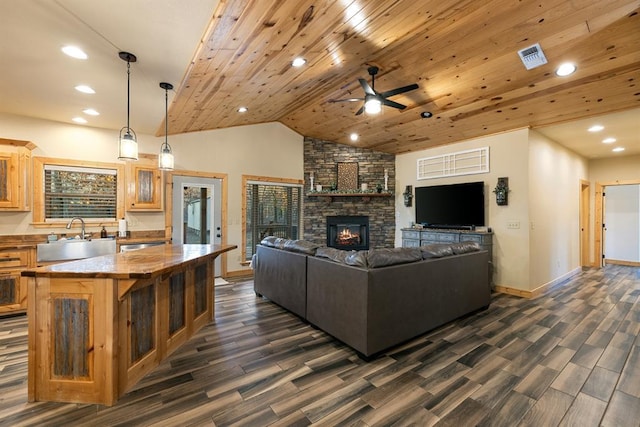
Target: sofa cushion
<point>301,246</point>
<point>383,257</point>
<point>465,247</point>
<point>436,250</point>
<point>279,242</point>
<point>269,241</point>
<point>333,254</point>
<point>357,258</point>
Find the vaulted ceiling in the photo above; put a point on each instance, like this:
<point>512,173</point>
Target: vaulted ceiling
<point>221,55</point>
<point>462,54</point>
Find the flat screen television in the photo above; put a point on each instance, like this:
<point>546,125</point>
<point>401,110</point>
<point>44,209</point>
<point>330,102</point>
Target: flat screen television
<point>450,206</point>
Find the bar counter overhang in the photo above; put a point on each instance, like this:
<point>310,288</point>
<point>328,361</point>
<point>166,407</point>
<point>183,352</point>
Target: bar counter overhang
<point>98,325</point>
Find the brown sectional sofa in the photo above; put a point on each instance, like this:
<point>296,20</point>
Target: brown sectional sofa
<point>385,297</point>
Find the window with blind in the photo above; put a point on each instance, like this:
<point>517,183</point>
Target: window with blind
<point>272,209</point>
<point>76,191</point>
<point>65,188</point>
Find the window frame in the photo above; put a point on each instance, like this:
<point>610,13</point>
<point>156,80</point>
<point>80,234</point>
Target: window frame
<point>39,163</point>
<point>266,180</point>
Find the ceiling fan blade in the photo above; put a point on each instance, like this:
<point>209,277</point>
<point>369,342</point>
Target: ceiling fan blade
<point>360,111</point>
<point>346,100</point>
<point>393,104</point>
<point>365,86</point>
<point>399,90</point>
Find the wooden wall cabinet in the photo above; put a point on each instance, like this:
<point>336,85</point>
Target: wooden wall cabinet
<point>144,184</point>
<point>15,175</point>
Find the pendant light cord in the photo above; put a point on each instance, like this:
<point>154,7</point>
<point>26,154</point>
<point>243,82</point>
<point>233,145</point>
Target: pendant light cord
<point>166,117</point>
<point>128,93</point>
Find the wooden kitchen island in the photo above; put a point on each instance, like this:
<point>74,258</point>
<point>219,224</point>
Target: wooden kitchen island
<point>98,325</point>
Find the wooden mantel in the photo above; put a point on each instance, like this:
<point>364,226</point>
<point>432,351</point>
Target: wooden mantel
<point>98,325</point>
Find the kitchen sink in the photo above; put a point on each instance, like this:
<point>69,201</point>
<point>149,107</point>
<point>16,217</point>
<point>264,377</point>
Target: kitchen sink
<point>65,250</point>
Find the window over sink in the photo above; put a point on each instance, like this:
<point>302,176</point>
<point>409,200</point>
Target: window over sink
<point>69,188</point>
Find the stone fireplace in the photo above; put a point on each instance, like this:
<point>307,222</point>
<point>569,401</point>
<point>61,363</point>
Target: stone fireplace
<point>321,158</point>
<point>348,232</point>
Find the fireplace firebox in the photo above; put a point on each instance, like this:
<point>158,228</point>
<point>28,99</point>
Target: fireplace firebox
<point>348,232</point>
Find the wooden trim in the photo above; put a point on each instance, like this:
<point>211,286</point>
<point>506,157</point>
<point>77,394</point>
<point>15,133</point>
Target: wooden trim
<point>622,262</point>
<point>513,291</point>
<point>240,273</point>
<point>584,232</point>
<point>18,143</point>
<point>38,186</point>
<point>168,214</point>
<point>270,179</point>
<point>599,215</point>
<point>540,289</point>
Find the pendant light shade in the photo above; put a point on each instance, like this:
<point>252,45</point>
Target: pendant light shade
<point>128,143</point>
<point>165,159</point>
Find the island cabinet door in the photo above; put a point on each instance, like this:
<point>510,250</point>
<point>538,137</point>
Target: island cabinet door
<point>173,310</point>
<point>185,304</point>
<point>71,356</point>
<point>201,278</point>
<point>139,332</point>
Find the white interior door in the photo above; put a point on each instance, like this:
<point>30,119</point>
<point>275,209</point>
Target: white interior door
<point>621,233</point>
<point>197,211</point>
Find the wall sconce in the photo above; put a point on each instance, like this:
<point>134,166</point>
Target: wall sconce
<point>502,191</point>
<point>408,195</point>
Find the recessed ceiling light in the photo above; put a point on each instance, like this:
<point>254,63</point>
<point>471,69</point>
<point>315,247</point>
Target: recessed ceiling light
<point>85,89</point>
<point>242,110</point>
<point>79,120</point>
<point>74,52</point>
<point>353,137</point>
<point>595,128</point>
<point>618,149</point>
<point>609,140</point>
<point>91,112</point>
<point>298,62</point>
<point>566,69</point>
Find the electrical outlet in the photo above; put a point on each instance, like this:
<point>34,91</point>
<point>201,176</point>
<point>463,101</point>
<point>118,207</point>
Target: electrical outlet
<point>513,224</point>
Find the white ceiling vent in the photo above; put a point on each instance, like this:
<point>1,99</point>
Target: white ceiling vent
<point>532,56</point>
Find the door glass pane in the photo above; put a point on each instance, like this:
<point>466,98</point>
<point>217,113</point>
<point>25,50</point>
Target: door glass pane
<point>197,210</point>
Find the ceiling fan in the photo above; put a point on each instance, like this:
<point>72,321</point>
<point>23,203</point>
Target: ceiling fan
<point>373,100</point>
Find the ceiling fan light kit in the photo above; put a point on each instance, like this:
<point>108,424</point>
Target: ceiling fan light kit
<point>374,100</point>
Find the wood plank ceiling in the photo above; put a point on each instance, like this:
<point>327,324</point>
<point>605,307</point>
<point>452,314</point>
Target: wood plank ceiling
<point>461,53</point>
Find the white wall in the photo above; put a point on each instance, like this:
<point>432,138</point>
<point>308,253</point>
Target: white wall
<point>555,174</point>
<point>269,149</point>
<point>622,219</point>
<point>508,158</point>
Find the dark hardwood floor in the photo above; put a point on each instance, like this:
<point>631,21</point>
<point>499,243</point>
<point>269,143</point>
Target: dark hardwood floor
<point>569,357</point>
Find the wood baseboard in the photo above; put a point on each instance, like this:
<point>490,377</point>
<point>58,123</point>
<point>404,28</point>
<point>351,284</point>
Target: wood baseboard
<point>622,262</point>
<point>239,273</point>
<point>540,289</point>
<point>513,291</point>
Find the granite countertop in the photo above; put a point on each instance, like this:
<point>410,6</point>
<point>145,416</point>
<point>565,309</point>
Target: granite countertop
<point>139,264</point>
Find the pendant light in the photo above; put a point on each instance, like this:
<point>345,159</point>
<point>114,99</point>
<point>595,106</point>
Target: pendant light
<point>165,160</point>
<point>128,143</point>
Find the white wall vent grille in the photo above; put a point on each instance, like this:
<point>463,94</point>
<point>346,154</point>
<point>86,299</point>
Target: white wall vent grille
<point>466,162</point>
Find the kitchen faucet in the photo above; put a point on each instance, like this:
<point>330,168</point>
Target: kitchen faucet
<point>79,219</point>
